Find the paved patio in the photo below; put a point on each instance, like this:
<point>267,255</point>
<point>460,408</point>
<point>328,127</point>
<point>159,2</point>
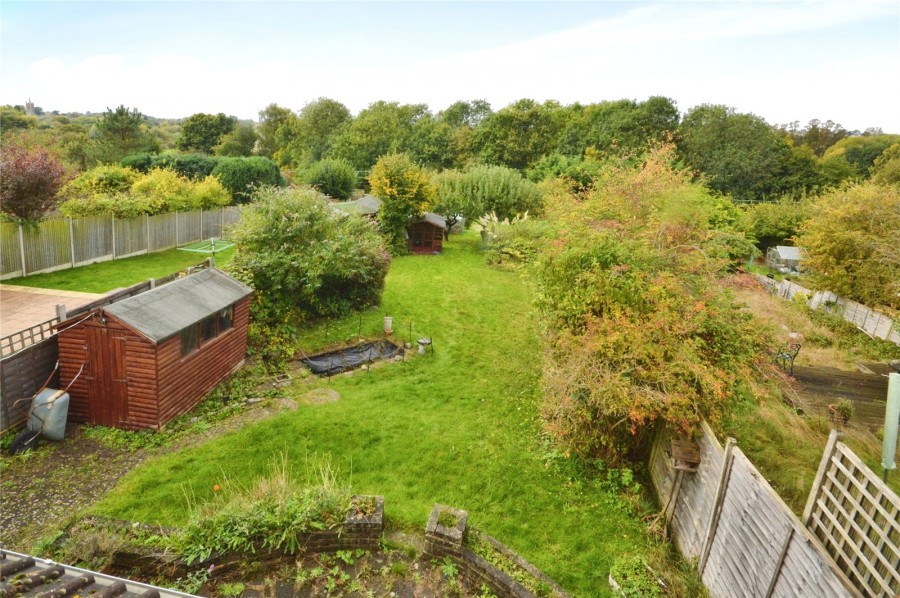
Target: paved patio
<point>21,307</point>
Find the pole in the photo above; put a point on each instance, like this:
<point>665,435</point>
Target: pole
<point>891,425</point>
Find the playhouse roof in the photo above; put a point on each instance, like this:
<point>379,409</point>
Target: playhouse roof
<point>432,218</point>
<point>166,310</point>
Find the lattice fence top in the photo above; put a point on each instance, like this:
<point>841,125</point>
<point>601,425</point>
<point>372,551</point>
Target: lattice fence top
<point>857,518</point>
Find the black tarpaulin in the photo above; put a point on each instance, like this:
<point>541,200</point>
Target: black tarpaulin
<point>336,362</point>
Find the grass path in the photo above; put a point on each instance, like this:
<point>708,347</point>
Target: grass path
<point>459,427</point>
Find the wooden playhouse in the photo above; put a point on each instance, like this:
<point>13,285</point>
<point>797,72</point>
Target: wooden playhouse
<point>148,358</point>
<point>426,233</point>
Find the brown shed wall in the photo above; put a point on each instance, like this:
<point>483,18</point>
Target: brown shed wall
<point>183,382</point>
<point>142,410</point>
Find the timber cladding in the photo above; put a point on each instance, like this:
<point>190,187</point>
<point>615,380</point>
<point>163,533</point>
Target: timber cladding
<point>129,364</point>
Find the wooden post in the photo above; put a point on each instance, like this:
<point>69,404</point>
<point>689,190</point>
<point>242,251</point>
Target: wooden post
<point>72,240</point>
<point>673,497</point>
<point>201,224</point>
<point>176,228</point>
<point>778,565</point>
<point>147,221</point>
<point>721,490</point>
<point>22,249</point>
<point>820,475</point>
<point>113,218</point>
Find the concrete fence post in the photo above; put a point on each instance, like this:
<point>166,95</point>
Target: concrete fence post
<point>113,220</point>
<point>72,239</point>
<point>22,249</point>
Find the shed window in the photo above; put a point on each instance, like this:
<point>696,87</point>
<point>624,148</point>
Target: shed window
<point>189,340</point>
<point>226,319</point>
<point>208,329</point>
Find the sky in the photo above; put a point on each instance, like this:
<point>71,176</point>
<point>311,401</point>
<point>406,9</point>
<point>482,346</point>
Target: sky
<point>783,60</point>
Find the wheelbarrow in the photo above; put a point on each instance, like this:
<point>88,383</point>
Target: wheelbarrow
<point>46,417</point>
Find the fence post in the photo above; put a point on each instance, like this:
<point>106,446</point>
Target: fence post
<point>72,240</point>
<point>724,476</point>
<point>820,476</point>
<point>113,220</point>
<point>22,249</point>
<point>201,224</point>
<point>147,220</point>
<point>176,228</point>
<point>61,311</point>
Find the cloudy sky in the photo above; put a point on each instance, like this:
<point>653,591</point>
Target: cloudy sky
<point>783,60</point>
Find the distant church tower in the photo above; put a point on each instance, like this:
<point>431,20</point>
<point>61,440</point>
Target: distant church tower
<point>29,107</point>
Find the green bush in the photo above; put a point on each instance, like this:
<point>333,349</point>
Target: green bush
<point>155,192</point>
<point>102,181</point>
<point>142,162</point>
<point>191,166</point>
<point>242,176</point>
<point>334,177</point>
<point>305,261</point>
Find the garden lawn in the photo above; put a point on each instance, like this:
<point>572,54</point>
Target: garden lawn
<point>459,427</point>
<point>106,276</point>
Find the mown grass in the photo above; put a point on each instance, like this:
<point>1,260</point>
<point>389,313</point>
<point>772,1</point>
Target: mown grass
<point>106,276</point>
<point>460,426</point>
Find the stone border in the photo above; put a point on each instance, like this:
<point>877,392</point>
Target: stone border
<point>444,542</point>
<point>360,530</point>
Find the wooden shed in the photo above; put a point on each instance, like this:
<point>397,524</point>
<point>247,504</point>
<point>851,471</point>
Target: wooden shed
<point>154,356</point>
<point>426,234</point>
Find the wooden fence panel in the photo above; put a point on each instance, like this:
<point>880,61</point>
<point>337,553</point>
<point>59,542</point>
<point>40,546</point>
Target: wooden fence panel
<point>93,239</point>
<point>47,246</point>
<point>752,530</point>
<point>10,253</point>
<point>21,376</point>
<point>162,232</point>
<point>130,236</point>
<point>752,545</point>
<point>188,228</point>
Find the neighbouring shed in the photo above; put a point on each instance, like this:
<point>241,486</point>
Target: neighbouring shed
<point>784,258</point>
<point>151,357</point>
<point>367,205</point>
<point>426,234</point>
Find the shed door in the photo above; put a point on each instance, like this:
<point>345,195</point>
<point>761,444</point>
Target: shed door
<point>107,383</point>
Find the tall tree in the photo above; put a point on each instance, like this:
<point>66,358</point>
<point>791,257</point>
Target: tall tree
<point>239,142</point>
<point>202,132</point>
<point>273,119</point>
<point>317,125</point>
<point>740,154</point>
<point>120,132</point>
<point>519,134</point>
<point>381,129</point>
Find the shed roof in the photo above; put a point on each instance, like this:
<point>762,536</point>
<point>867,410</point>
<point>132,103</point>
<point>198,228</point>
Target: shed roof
<point>366,205</point>
<point>787,252</point>
<point>432,218</point>
<point>166,310</point>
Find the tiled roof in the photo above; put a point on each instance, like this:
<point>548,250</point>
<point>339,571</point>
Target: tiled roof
<point>23,575</point>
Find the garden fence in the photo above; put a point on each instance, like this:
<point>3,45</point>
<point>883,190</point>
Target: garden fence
<point>60,243</point>
<point>857,517</point>
<point>870,321</point>
<point>745,540</point>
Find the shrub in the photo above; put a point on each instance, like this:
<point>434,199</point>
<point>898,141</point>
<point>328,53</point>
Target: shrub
<point>241,176</point>
<point>191,166</point>
<point>102,181</point>
<point>335,178</point>
<point>405,190</point>
<point>305,261</point>
<point>142,162</point>
<point>31,179</point>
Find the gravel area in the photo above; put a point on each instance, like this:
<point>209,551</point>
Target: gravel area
<point>42,490</point>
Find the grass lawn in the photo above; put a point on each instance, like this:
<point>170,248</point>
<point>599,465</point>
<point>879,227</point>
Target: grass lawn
<point>106,276</point>
<point>460,427</point>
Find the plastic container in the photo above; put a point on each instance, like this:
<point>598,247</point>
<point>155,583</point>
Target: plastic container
<point>48,414</point>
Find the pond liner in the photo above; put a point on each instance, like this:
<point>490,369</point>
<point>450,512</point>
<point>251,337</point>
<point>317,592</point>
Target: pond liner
<point>335,362</point>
